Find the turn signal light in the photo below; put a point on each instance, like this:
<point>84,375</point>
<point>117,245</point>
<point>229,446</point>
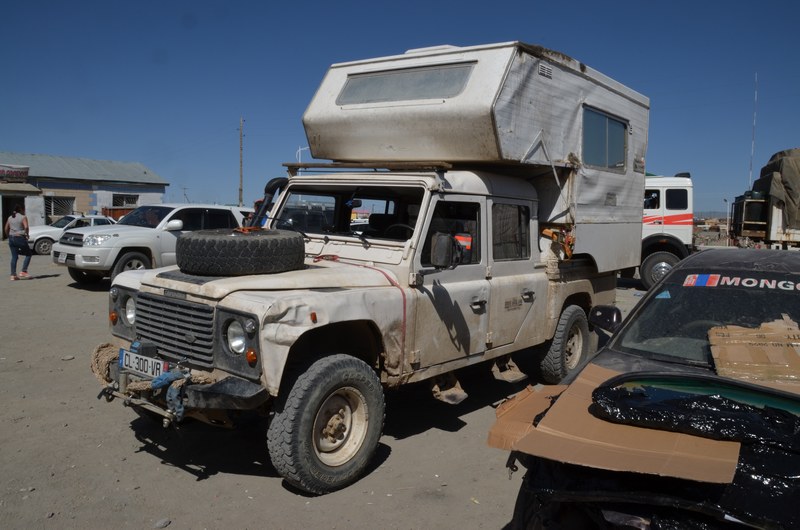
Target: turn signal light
<point>251,356</point>
<point>113,317</point>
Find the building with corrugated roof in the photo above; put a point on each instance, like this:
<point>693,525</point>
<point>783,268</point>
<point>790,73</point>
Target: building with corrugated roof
<point>52,186</point>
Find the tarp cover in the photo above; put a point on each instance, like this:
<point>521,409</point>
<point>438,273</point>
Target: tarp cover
<point>780,178</point>
<point>766,487</point>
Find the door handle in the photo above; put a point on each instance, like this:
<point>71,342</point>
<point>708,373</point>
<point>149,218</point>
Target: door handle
<point>477,304</point>
<point>528,295</point>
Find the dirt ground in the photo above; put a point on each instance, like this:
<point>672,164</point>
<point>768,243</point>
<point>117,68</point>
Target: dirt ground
<point>69,460</point>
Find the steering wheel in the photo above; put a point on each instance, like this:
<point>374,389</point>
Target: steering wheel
<point>408,229</point>
<point>698,328</point>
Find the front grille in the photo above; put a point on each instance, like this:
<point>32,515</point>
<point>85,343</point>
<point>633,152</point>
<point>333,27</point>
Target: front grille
<point>72,239</point>
<point>182,330</point>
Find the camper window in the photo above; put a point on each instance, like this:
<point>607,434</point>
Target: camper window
<point>430,82</point>
<point>604,140</point>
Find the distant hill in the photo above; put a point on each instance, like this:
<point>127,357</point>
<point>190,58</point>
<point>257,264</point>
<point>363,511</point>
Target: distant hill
<point>710,215</point>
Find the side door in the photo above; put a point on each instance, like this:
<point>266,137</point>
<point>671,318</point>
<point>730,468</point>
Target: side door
<point>517,289</point>
<point>653,214</point>
<point>192,219</point>
<point>452,305</point>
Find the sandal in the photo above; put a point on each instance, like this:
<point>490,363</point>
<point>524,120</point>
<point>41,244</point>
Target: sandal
<point>14,278</point>
<point>24,275</point>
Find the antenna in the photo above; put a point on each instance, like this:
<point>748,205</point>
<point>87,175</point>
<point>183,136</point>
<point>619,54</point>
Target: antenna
<point>241,131</point>
<point>185,197</point>
<point>753,143</point>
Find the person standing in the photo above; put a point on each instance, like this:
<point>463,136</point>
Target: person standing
<point>16,228</point>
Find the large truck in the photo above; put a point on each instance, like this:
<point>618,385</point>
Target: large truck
<point>667,224</point>
<point>504,188</point>
<point>768,215</point>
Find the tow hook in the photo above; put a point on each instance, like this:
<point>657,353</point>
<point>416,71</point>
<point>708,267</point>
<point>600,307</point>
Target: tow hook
<point>511,464</point>
<point>108,393</point>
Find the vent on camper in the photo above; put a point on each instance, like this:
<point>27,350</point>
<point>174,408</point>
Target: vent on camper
<point>545,70</point>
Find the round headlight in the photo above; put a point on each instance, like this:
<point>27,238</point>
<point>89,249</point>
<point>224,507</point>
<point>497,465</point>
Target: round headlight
<point>236,337</point>
<point>130,310</point>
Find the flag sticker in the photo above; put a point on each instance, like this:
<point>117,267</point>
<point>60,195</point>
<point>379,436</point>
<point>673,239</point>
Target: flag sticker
<point>701,280</point>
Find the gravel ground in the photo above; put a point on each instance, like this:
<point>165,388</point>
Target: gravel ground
<point>70,460</point>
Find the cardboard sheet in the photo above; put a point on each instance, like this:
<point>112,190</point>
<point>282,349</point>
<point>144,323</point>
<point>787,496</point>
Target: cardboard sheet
<point>768,355</point>
<point>569,433</point>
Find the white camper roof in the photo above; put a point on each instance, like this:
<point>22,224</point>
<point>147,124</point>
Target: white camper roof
<point>506,102</point>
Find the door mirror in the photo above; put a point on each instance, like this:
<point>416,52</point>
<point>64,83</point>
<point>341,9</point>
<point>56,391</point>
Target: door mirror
<point>445,251</point>
<point>606,317</point>
<point>175,225</point>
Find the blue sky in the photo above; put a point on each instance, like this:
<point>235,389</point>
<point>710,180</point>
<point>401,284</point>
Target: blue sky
<point>165,82</point>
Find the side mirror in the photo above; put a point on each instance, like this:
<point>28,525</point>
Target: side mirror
<point>606,317</point>
<point>445,251</point>
<point>175,225</point>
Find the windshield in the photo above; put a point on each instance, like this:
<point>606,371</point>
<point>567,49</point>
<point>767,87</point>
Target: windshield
<point>684,314</point>
<point>380,212</point>
<point>63,222</point>
<point>147,216</point>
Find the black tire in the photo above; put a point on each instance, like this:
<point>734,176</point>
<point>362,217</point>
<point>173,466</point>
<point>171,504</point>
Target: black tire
<point>337,392</point>
<point>131,261</point>
<point>84,277</point>
<point>656,266</point>
<point>226,252</point>
<point>569,348</point>
<point>43,246</point>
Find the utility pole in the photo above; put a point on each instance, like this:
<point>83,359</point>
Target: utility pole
<point>241,174</point>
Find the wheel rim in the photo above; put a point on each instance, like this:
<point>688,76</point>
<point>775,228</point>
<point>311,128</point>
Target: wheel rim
<point>660,270</point>
<point>340,426</point>
<point>573,348</point>
<point>44,246</point>
<point>134,265</point>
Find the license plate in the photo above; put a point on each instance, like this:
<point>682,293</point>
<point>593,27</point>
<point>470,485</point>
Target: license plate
<point>139,364</point>
<point>62,257</point>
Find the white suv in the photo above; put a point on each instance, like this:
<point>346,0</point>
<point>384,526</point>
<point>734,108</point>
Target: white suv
<point>41,238</point>
<point>143,239</point>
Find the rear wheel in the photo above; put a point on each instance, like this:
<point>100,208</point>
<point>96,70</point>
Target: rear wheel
<point>325,430</point>
<point>569,347</point>
<point>656,266</point>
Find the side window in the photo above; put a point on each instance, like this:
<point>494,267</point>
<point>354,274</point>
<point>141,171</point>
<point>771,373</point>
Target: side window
<point>80,223</point>
<point>652,199</point>
<point>677,199</point>
<point>460,220</point>
<point>604,140</point>
<point>102,222</point>
<point>220,219</point>
<point>510,232</point>
<point>192,218</point>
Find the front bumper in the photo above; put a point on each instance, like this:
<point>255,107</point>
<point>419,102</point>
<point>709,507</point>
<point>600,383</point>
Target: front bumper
<point>78,257</point>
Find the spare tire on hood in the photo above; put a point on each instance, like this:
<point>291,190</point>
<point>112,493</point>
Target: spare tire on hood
<point>238,252</point>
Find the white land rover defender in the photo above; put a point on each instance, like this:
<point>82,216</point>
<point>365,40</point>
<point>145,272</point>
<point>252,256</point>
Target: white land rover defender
<point>503,190</point>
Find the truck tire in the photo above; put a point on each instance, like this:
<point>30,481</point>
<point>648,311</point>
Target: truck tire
<point>43,246</point>
<point>131,261</point>
<point>569,348</point>
<point>84,277</point>
<point>226,252</point>
<point>656,266</point>
<point>326,429</point>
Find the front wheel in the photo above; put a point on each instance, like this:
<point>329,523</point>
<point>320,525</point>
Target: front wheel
<point>43,246</point>
<point>569,347</point>
<point>131,261</point>
<point>325,430</point>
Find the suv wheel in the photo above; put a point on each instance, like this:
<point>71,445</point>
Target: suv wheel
<point>325,430</point>
<point>131,261</point>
